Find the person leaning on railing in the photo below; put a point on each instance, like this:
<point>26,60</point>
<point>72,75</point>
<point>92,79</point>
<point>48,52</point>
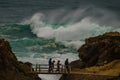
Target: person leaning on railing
<point>58,66</point>
<point>67,65</point>
<point>53,64</point>
<point>50,65</point>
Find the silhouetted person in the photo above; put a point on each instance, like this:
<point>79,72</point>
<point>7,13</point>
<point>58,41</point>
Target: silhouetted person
<point>67,65</point>
<point>50,65</point>
<point>58,66</point>
<point>52,68</point>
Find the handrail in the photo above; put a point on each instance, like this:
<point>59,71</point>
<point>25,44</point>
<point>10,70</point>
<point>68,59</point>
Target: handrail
<point>45,67</point>
<point>37,69</point>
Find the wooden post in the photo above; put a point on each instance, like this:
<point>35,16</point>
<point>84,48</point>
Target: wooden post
<point>36,68</point>
<point>61,68</point>
<point>65,70</point>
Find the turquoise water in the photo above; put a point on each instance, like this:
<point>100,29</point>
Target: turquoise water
<point>35,40</point>
<point>24,41</point>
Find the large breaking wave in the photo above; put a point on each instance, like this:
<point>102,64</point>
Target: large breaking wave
<point>58,31</point>
<point>73,24</point>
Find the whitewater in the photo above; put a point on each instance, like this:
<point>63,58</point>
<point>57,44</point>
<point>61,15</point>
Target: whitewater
<point>56,33</point>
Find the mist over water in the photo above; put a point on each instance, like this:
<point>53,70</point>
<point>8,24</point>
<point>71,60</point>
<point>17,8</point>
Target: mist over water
<point>76,24</point>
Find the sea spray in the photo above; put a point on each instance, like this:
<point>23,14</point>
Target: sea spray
<point>77,31</point>
<point>80,23</point>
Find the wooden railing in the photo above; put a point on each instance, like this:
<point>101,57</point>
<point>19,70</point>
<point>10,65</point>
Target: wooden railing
<point>44,69</point>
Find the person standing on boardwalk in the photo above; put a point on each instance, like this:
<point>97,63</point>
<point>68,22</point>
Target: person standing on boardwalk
<point>50,65</point>
<point>67,65</point>
<point>53,64</point>
<point>58,66</point>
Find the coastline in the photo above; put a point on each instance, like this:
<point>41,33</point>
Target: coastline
<point>105,68</point>
<point>100,59</point>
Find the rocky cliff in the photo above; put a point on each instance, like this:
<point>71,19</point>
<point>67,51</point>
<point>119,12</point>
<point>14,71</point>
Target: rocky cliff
<point>10,68</point>
<point>101,49</point>
<point>99,55</point>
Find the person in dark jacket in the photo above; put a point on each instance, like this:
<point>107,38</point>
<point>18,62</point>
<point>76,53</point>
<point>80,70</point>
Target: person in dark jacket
<point>50,65</point>
<point>67,65</point>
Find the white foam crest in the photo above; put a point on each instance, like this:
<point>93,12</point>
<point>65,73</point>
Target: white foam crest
<point>82,23</point>
<point>38,27</point>
<point>80,30</point>
<point>44,32</point>
<point>85,25</point>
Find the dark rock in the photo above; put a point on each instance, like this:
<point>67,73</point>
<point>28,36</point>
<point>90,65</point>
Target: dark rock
<point>101,49</point>
<point>98,51</point>
<point>10,68</point>
<point>77,64</point>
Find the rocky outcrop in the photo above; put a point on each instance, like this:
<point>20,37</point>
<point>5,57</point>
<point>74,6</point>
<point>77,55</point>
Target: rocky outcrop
<point>98,55</point>
<point>10,68</point>
<point>101,49</point>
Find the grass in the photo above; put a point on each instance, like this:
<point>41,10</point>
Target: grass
<point>112,69</point>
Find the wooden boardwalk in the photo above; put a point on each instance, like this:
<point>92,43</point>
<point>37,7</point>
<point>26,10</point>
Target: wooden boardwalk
<point>43,69</point>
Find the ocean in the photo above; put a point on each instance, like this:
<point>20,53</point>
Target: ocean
<point>41,29</point>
